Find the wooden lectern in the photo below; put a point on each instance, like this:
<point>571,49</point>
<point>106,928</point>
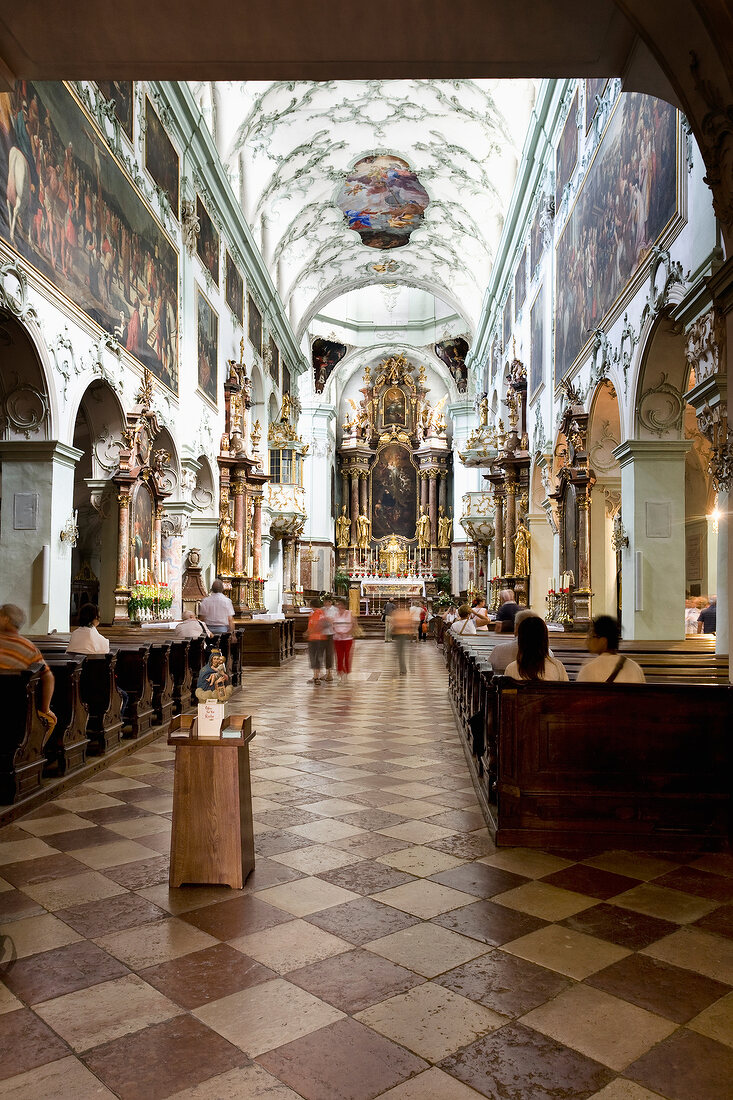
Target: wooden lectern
<point>212,839</point>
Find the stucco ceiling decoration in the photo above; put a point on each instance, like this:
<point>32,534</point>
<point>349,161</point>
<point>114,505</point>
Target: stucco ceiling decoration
<point>291,146</point>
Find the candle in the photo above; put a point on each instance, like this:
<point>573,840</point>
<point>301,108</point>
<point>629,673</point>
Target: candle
<point>498,567</point>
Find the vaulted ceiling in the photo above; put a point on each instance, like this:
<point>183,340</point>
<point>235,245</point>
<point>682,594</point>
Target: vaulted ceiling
<point>289,147</point>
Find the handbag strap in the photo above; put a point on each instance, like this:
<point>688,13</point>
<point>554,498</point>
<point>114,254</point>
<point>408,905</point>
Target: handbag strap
<point>616,669</point>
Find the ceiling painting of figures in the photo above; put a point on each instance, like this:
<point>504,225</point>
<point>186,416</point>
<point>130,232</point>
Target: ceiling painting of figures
<point>383,200</point>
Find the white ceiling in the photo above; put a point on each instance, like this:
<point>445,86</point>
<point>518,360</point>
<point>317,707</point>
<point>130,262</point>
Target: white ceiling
<point>289,145</point>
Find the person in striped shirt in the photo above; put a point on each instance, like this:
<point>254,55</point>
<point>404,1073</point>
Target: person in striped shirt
<point>17,652</point>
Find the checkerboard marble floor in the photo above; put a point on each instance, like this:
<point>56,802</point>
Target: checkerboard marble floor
<point>382,946</point>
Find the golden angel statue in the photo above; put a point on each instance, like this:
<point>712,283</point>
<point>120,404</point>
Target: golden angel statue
<point>422,531</point>
<point>445,529</point>
<point>227,544</point>
<point>521,551</point>
<point>363,532</point>
<point>343,529</point>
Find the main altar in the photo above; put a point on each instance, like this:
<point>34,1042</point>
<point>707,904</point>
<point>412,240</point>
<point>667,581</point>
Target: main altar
<point>395,524</point>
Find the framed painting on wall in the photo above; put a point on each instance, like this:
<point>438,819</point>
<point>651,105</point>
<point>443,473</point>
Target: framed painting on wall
<point>161,158</point>
<point>394,493</point>
<point>566,154</point>
<point>121,93</point>
<point>520,283</point>
<point>536,342</point>
<point>142,526</point>
<point>274,358</point>
<point>234,288</point>
<point>634,173</point>
<point>93,237</point>
<point>254,324</point>
<point>207,242</point>
<point>507,324</point>
<point>207,346</point>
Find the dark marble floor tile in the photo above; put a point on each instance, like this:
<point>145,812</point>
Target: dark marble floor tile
<point>49,809</point>
<point>106,814</point>
<point>455,801</point>
<point>141,794</point>
<point>14,905</point>
<point>344,1061</point>
<point>76,839</point>
<point>26,1042</point>
<point>504,983</point>
<point>366,877</point>
<point>701,883</point>
<point>238,916</point>
<point>298,796</point>
<point>32,872</point>
<point>686,1066</point>
<point>479,879</point>
<point>141,873</point>
<point>286,817</point>
<point>460,820</point>
<point>163,1059</point>
<point>516,1063</point>
<point>373,819</point>
<point>54,973</point>
<point>269,873</point>
<point>489,923</point>
<point>97,918</point>
<point>720,921</point>
<point>369,847</point>
<point>621,926</point>
<point>361,921</point>
<point>465,845</point>
<point>274,844</point>
<point>204,976</point>
<point>355,980</point>
<point>159,842</point>
<point>591,881</point>
<point>667,990</point>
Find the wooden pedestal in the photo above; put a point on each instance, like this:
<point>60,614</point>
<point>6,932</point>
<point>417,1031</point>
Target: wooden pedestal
<point>212,839</point>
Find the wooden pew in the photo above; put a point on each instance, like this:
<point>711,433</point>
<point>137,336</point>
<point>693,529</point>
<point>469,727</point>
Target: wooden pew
<point>98,691</point>
<point>267,644</point>
<point>197,654</point>
<point>631,765</point>
<point>162,683</point>
<point>133,678</point>
<point>66,748</point>
<point>181,673</point>
<point>21,745</point>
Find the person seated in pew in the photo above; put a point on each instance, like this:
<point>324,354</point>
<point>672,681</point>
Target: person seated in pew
<point>508,608</point>
<point>533,654</point>
<point>503,655</point>
<point>480,615</point>
<point>608,666</point>
<point>86,638</point>
<point>464,624</point>
<point>707,619</point>
<point>191,627</point>
<point>217,610</point>
<point>17,652</point>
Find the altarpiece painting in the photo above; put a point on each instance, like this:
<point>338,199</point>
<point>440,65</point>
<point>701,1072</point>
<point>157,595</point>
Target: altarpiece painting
<point>394,493</point>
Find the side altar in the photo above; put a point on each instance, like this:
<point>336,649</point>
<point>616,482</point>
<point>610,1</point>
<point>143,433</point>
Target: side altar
<point>395,464</point>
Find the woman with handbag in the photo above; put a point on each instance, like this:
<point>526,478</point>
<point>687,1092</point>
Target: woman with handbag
<point>344,631</point>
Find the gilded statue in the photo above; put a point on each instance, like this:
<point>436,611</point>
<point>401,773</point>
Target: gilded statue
<point>363,532</point>
<point>343,529</point>
<point>445,529</point>
<point>227,544</point>
<point>521,551</point>
<point>422,531</point>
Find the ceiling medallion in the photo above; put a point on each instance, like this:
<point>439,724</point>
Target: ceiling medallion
<point>383,200</point>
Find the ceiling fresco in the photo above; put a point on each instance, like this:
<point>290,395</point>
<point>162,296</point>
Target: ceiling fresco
<point>330,173</point>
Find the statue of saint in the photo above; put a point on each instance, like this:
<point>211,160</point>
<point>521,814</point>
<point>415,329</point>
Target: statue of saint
<point>422,531</point>
<point>445,529</point>
<point>521,551</point>
<point>227,545</point>
<point>363,532</point>
<point>343,529</point>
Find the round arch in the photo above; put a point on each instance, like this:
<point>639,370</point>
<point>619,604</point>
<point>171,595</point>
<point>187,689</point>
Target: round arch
<point>27,401</point>
<point>358,358</point>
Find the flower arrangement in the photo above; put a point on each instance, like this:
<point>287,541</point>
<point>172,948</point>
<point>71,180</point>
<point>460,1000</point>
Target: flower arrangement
<point>149,601</point>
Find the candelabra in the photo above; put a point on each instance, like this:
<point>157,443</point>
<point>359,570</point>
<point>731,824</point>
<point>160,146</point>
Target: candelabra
<point>70,531</point>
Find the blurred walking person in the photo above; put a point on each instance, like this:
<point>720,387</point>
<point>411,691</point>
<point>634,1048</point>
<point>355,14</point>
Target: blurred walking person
<point>316,635</point>
<point>403,631</point>
<point>343,639</point>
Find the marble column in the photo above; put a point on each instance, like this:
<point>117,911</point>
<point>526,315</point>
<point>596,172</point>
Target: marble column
<point>240,524</point>
<point>296,564</point>
<point>257,535</point>
<point>287,567</point>
<point>443,491</point>
<point>583,578</point>
<point>364,485</point>
<point>157,543</point>
<point>433,506</point>
<point>510,527</point>
<point>123,541</point>
<point>499,527</point>
<point>354,504</point>
<point>345,489</point>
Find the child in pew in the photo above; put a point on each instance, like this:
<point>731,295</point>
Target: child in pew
<point>608,666</point>
<point>533,653</point>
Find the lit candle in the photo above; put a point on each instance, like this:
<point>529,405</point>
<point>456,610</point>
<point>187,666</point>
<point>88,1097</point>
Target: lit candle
<point>498,567</point>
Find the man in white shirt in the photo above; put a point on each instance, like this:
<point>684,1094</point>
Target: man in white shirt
<point>191,627</point>
<point>608,666</point>
<point>464,624</point>
<point>217,610</point>
<point>503,655</point>
<point>86,638</point>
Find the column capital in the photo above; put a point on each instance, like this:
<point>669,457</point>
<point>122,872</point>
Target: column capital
<point>651,450</point>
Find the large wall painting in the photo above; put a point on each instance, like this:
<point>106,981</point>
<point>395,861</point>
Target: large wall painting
<point>254,324</point>
<point>628,198</point>
<point>161,158</point>
<point>506,328</point>
<point>566,154</point>
<point>234,289</point>
<point>207,344</point>
<point>121,94</point>
<point>394,493</point>
<point>274,361</point>
<point>326,354</point>
<point>536,342</point>
<point>520,283</point>
<point>74,215</point>
<point>383,200</point>
<point>207,242</point>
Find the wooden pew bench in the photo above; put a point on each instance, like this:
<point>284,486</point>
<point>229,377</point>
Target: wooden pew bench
<point>66,748</point>
<point>23,733</point>
<point>98,691</point>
